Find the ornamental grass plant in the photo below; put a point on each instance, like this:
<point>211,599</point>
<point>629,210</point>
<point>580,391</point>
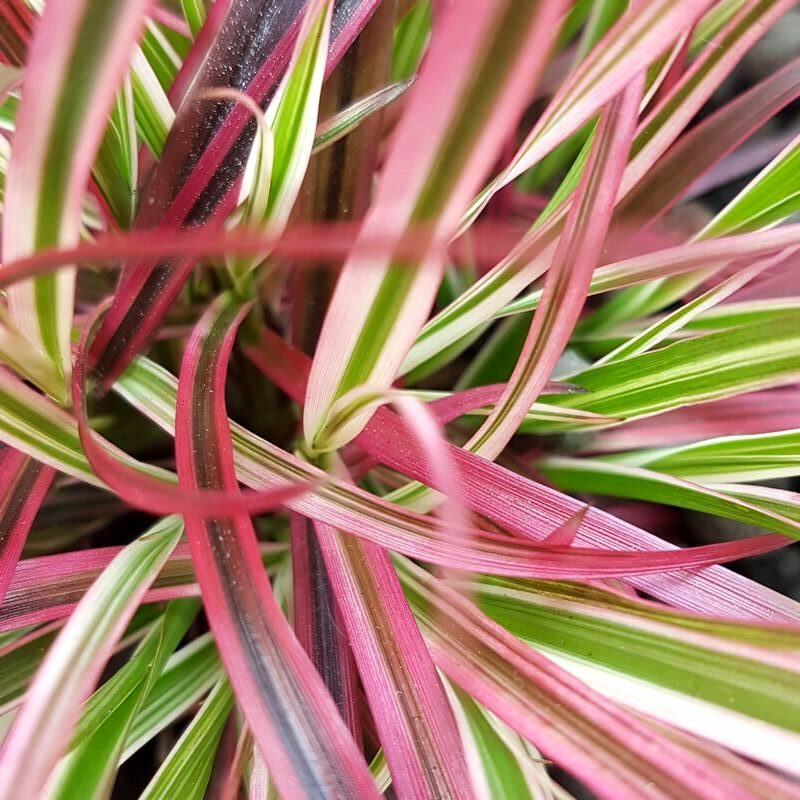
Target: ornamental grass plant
<point>389,391</point>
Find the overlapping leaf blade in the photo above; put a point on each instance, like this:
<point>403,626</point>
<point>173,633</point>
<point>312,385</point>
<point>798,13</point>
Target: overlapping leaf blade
<point>569,275</point>
<point>679,409</point>
<point>509,499</point>
<point>634,42</point>
<point>542,703</point>
<point>404,691</point>
<point>186,770</point>
<point>23,484</point>
<point>187,677</point>
<point>530,258</point>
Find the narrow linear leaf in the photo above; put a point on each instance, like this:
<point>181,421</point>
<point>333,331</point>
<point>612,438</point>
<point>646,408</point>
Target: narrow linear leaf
<point>248,50</point>
<point>570,272</point>
<point>733,678</point>
<point>159,50</point>
<point>509,499</point>
<point>683,316</point>
<point>187,768</point>
<point>638,483</point>
<point>722,364</point>
<point>292,114</point>
<point>725,460</point>
<point>318,624</point>
<point>408,702</point>
<point>307,746</point>
<point>771,197</point>
<point>280,160</point>
<point>89,769</point>
<point>187,677</point>
<point>49,587</point>
<point>116,169</point>
<point>611,751</point>
<point>411,37</point>
<point>153,112</point>
<point>72,73</point>
<point>638,38</point>
<point>348,119</point>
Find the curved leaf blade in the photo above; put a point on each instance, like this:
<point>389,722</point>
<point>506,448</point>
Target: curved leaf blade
<point>308,748</point>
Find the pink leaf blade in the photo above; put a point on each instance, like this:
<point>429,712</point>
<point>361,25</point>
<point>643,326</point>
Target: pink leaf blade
<point>531,509</point>
<point>408,703</point>
<point>330,241</point>
<point>202,185</point>
<point>706,144</point>
<point>766,411</point>
<point>564,535</point>
<point>318,622</point>
<point>149,492</point>
<point>569,276</point>
<point>306,744</point>
<point>633,43</point>
<point>47,588</point>
<point>567,721</point>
